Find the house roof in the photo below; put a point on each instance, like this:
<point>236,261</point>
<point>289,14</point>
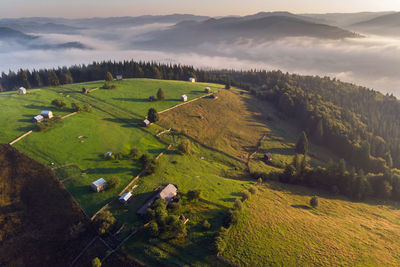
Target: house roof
<point>38,117</point>
<point>22,88</point>
<point>184,96</point>
<point>168,192</point>
<point>46,111</point>
<point>126,196</point>
<point>99,182</point>
<point>146,121</point>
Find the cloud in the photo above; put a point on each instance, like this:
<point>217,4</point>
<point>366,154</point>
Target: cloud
<point>372,62</point>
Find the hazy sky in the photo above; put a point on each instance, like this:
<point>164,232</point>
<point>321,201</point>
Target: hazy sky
<point>92,8</point>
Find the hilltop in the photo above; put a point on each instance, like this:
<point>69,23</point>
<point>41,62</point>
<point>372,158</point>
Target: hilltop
<point>383,25</point>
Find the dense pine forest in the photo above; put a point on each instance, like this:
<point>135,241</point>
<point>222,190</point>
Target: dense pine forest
<point>358,124</point>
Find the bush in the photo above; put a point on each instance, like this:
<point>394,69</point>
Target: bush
<point>253,190</point>
<point>260,181</point>
<point>59,103</point>
<point>152,229</point>
<point>104,221</point>
<point>108,85</point>
<point>238,205</point>
<point>47,124</point>
<point>135,153</point>
<point>149,164</point>
<point>206,225</point>
<point>314,201</point>
<point>160,94</point>
<point>193,195</point>
<point>87,108</point>
<point>96,262</point>
<point>184,147</point>
<point>174,205</point>
<point>246,195</point>
<point>109,77</point>
<point>112,183</point>
<point>152,115</point>
<point>76,106</point>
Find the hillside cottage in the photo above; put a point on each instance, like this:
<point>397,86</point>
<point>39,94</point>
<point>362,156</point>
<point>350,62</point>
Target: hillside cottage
<point>207,90</point>
<point>22,91</point>
<point>146,123</point>
<point>168,193</point>
<point>98,185</point>
<point>38,118</point>
<point>192,80</point>
<point>125,198</point>
<point>85,90</point>
<point>109,154</point>
<point>119,77</point>
<point>47,114</point>
<point>184,98</point>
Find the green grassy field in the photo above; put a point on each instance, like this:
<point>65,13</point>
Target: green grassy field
<point>17,111</point>
<point>278,228</point>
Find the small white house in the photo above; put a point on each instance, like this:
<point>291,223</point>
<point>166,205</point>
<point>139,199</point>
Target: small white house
<point>119,77</point>
<point>146,123</point>
<point>192,80</point>
<point>108,154</point>
<point>98,185</point>
<point>184,98</point>
<point>22,91</point>
<point>47,114</point>
<point>38,118</point>
<point>125,197</point>
<point>207,90</point>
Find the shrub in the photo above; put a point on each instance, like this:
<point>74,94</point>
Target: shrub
<point>253,190</point>
<point>59,103</point>
<point>112,183</point>
<point>238,204</point>
<point>184,147</point>
<point>104,221</point>
<point>314,201</point>
<point>206,225</point>
<point>96,262</point>
<point>109,77</point>
<point>149,164</point>
<point>174,205</point>
<point>76,106</point>
<point>108,85</point>
<point>152,229</point>
<point>152,115</point>
<point>219,244</point>
<point>135,153</point>
<point>260,181</point>
<point>87,108</point>
<point>193,195</point>
<point>246,195</point>
<point>160,94</point>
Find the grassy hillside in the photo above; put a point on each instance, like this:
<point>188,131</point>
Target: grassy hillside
<point>40,224</point>
<point>277,227</point>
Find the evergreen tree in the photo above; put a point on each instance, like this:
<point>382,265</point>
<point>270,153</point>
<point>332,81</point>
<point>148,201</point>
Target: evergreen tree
<point>302,144</point>
<point>228,84</point>
<point>23,79</point>
<point>109,77</point>
<point>37,79</point>
<point>319,132</point>
<point>53,79</point>
<point>152,115</point>
<point>160,94</point>
<point>389,160</point>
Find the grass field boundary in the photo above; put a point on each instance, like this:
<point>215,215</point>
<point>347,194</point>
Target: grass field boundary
<point>184,103</point>
<point>21,137</point>
<point>83,251</point>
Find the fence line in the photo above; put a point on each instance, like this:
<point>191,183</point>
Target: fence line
<point>19,138</point>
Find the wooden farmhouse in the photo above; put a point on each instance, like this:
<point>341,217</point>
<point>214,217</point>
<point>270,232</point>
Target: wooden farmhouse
<point>168,193</point>
<point>125,198</point>
<point>192,80</point>
<point>184,98</point>
<point>38,118</point>
<point>119,77</point>
<point>207,90</point>
<point>47,114</point>
<point>98,185</point>
<point>22,91</point>
<point>109,154</point>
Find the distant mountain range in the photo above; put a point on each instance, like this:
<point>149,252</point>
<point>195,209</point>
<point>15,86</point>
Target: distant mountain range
<point>260,27</point>
<point>7,34</point>
<point>35,27</point>
<point>383,25</point>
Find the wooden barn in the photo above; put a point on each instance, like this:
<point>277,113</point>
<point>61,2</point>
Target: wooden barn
<point>184,98</point>
<point>98,185</point>
<point>38,118</point>
<point>168,193</point>
<point>22,91</point>
<point>125,198</point>
<point>47,114</point>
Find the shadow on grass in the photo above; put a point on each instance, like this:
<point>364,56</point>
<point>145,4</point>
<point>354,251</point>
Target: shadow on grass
<point>107,170</point>
<point>304,207</point>
<point>140,100</point>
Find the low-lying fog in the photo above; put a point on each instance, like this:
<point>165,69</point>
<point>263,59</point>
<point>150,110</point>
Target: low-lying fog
<point>371,61</point>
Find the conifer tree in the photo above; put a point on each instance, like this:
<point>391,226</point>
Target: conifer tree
<point>302,144</point>
<point>160,94</point>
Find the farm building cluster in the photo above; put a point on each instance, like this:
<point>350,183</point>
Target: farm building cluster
<point>48,114</point>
